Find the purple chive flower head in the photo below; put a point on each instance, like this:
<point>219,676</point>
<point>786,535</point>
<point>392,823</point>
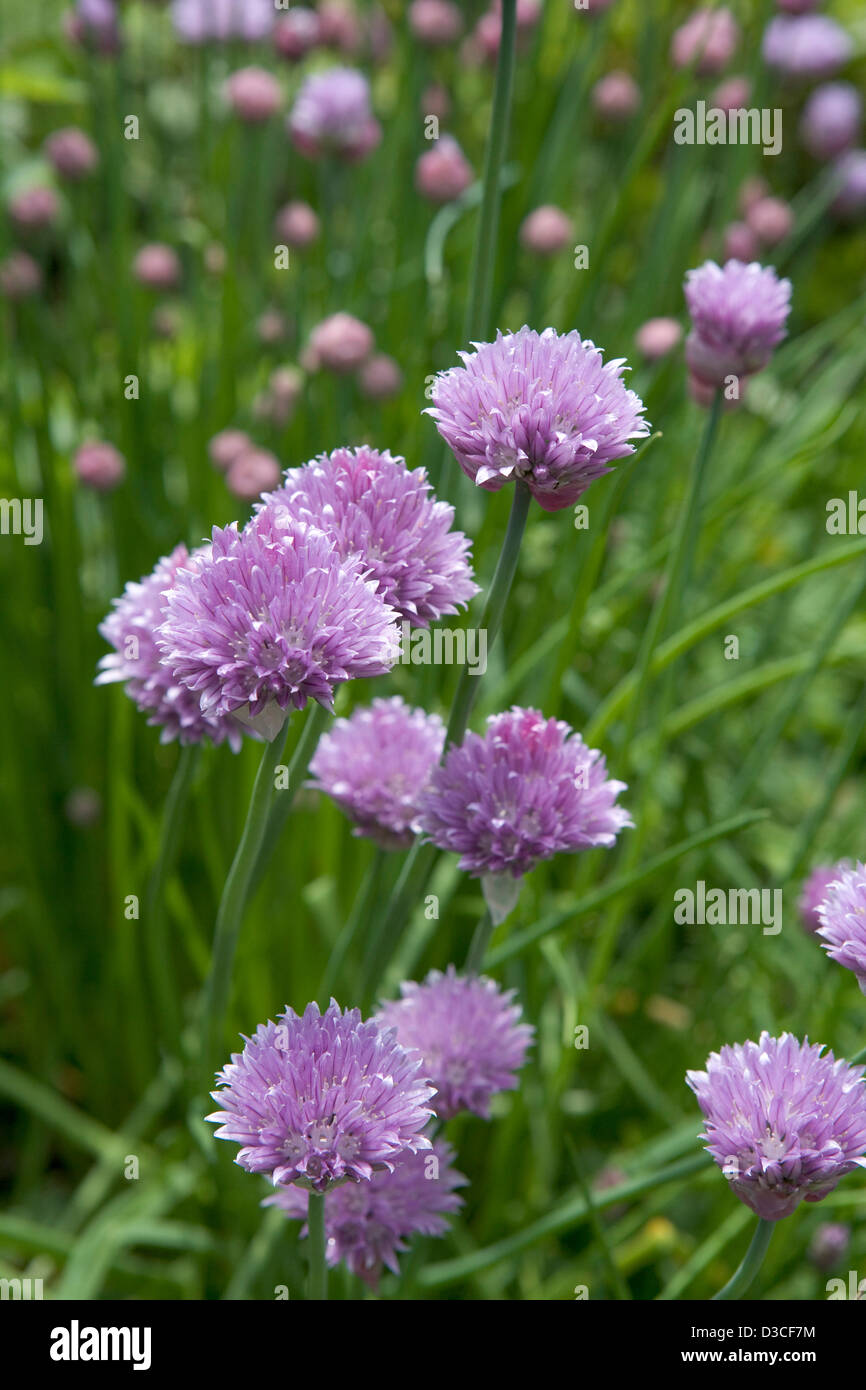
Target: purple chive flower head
<point>332,115</point>
<point>543,407</point>
<point>469,1034</point>
<point>526,789</point>
<point>784,1122</point>
<point>738,316</point>
<point>374,765</point>
<point>376,509</point>
<point>198,21</point>
<point>321,1098</point>
<point>368,1224</point>
<point>842,914</point>
<point>274,617</point>
<point>815,891</point>
<point>136,660</point>
<point>849,171</point>
<point>806,46</point>
<point>831,119</point>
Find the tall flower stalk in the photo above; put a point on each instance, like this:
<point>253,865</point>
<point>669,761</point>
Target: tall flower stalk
<point>742,1281</point>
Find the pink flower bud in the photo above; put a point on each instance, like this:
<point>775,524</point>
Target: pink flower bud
<point>341,343</point>
<point>616,97</point>
<point>252,473</point>
<point>658,337</point>
<point>732,94</point>
<point>380,377</point>
<point>339,26</point>
<point>708,40</point>
<point>436,101</point>
<point>34,208</point>
<point>771,219</point>
<point>297,33</point>
<point>741,243</point>
<point>157,266</point>
<point>227,446</point>
<point>253,94</point>
<point>443,172</point>
<point>297,225</point>
<point>546,230</point>
<point>20,276</point>
<point>99,466</point>
<point>72,153</point>
<point>271,326</point>
<point>751,191</point>
<point>435,23</point>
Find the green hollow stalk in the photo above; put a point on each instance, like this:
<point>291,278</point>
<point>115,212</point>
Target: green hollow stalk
<point>235,897</point>
<point>157,942</point>
<point>478,945</point>
<point>419,861</point>
<point>358,919</point>
<point>315,723</point>
<point>317,1288</point>
<point>745,1276</point>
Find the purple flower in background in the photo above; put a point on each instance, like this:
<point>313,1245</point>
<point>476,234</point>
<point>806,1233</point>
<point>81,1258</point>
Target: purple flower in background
<point>368,1224</point>
<point>319,1098</point>
<point>332,115</point>
<point>274,618</point>
<point>541,407</point>
<point>831,118</point>
<point>784,1122</point>
<point>829,1244</point>
<point>708,39</point>
<point>197,21</point>
<point>374,765</point>
<point>850,172</point>
<point>469,1033</point>
<point>738,316</point>
<point>842,914</point>
<point>528,788</point>
<point>815,891</point>
<point>375,508</point>
<point>806,46</point>
<point>136,660</point>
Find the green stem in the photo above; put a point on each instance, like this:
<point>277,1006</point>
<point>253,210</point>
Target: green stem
<point>234,900</point>
<point>316,721</point>
<point>318,1285</point>
<point>419,861</point>
<point>479,944</point>
<point>358,917</point>
<point>157,943</point>
<point>752,1261</point>
<point>859,1057</point>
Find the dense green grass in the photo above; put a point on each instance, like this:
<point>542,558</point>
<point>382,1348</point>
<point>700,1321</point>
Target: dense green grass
<point>743,773</point>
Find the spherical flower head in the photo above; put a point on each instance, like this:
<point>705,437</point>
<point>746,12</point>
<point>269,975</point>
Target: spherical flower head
<point>738,316</point>
<point>227,446</point>
<point>318,1099</point>
<point>468,1032</point>
<point>541,407</point>
<point>784,1122</point>
<point>843,920</point>
<point>658,337</point>
<point>829,1244</point>
<point>708,40</point>
<point>849,171</point>
<point>731,94</point>
<point>72,153</point>
<point>616,96</point>
<point>830,123</point>
<point>332,115</point>
<point>382,513</point>
<point>546,230</point>
<point>253,472</point>
<point>525,790</point>
<point>367,1224</point>
<point>374,765</point>
<point>297,225</point>
<point>806,46</point>
<point>814,892</point>
<point>435,23</point>
<point>93,24</point>
<point>99,465</point>
<point>202,21</point>
<point>34,208</point>
<point>741,243</point>
<point>341,343</point>
<point>271,619</point>
<point>443,172</point>
<point>340,26</point>
<point>20,276</point>
<point>253,94</point>
<point>136,659</point>
<point>157,267</point>
<point>771,219</point>
<point>297,33</point>
<point>380,377</point>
